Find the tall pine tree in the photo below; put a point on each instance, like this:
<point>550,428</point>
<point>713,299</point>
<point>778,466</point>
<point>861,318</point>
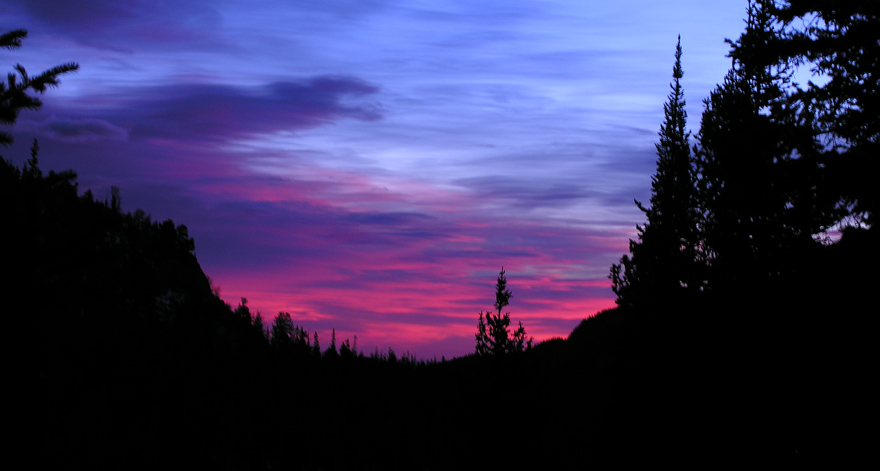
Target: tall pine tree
<point>663,260</point>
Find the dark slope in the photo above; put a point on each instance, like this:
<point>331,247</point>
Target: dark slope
<point>126,347</point>
<point>130,361</point>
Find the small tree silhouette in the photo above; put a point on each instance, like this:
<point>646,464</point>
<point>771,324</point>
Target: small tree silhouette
<point>282,330</point>
<point>496,340</point>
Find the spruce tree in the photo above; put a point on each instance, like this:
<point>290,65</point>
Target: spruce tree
<point>282,330</point>
<point>837,41</point>
<point>493,336</point>
<point>259,327</point>
<point>482,337</point>
<point>664,258</point>
<point>753,159</point>
<point>499,324</point>
<point>316,346</point>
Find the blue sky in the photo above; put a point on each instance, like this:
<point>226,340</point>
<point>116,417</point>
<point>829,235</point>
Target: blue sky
<point>369,166</point>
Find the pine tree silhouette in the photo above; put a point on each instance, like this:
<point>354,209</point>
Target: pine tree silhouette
<point>493,335</point>
<point>664,258</point>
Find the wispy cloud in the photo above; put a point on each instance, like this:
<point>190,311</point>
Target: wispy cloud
<point>370,165</point>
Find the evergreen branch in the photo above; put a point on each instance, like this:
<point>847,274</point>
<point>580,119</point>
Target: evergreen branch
<point>12,39</point>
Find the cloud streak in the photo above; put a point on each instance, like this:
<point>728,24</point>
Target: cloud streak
<point>78,130</point>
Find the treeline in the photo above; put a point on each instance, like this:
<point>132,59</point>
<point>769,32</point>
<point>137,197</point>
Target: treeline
<point>291,340</point>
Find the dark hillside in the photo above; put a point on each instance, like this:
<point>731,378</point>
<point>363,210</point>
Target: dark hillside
<point>758,371</point>
<point>127,328</point>
<point>135,356</point>
<point>742,333</point>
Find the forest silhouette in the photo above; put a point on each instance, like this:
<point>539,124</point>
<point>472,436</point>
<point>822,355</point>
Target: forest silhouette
<point>740,332</point>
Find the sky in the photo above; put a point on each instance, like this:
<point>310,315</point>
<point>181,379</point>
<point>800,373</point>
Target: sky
<point>369,166</point>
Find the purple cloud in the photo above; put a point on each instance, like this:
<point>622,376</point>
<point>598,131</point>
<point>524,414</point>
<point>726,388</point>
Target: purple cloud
<point>220,113</point>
